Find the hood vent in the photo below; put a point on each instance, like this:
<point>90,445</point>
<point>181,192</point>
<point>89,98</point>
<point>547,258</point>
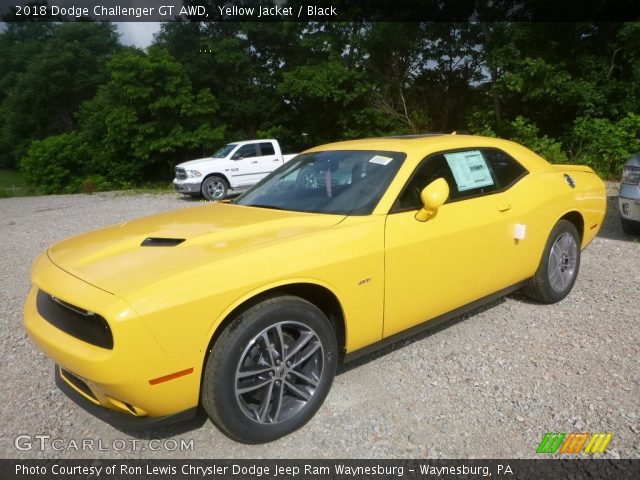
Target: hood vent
<point>161,242</point>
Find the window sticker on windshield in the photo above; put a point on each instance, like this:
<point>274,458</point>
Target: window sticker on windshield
<point>380,160</point>
<point>469,169</point>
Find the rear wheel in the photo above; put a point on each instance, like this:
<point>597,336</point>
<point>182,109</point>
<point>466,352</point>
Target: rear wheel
<point>559,266</point>
<point>270,370</point>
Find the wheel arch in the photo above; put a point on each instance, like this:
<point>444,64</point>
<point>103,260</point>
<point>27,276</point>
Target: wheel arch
<point>576,218</point>
<point>215,174</point>
<point>572,216</point>
<point>319,295</point>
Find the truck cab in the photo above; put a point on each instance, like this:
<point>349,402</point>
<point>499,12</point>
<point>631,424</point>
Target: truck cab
<point>236,166</point>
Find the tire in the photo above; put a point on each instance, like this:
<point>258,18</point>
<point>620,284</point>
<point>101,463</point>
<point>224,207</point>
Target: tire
<point>292,345</point>
<point>559,266</point>
<point>214,188</point>
<point>307,178</point>
<point>630,227</point>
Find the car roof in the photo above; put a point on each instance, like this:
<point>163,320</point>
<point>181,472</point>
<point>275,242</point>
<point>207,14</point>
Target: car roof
<point>419,146</point>
<point>404,143</point>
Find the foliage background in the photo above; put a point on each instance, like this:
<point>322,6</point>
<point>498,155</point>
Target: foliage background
<point>81,112</point>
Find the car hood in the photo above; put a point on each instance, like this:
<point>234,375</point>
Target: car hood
<point>196,163</point>
<point>114,258</point>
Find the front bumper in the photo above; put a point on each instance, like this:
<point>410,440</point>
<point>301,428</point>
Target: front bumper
<point>189,186</point>
<point>115,417</point>
<point>629,208</point>
<point>120,378</point>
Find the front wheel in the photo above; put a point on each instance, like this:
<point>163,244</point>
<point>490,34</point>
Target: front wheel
<point>270,370</point>
<point>214,188</point>
<point>559,266</point>
<point>307,178</point>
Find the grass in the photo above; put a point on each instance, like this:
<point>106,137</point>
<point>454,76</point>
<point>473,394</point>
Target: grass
<point>13,184</point>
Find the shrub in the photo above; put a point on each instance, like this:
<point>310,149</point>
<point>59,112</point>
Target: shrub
<point>54,163</point>
<point>603,144</point>
<point>525,132</point>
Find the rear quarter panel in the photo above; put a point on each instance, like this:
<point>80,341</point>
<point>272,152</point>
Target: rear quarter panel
<point>543,198</point>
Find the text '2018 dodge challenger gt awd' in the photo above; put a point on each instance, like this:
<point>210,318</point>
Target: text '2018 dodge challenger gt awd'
<point>245,308</point>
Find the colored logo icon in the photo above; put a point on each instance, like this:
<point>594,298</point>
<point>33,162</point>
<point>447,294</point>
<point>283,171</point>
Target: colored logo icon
<point>556,442</point>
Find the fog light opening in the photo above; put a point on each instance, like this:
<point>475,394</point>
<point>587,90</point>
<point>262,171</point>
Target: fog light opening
<point>625,209</point>
<point>131,408</point>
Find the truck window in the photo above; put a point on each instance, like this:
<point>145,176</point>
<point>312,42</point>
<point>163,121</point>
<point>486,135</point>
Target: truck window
<point>246,151</point>
<point>266,148</point>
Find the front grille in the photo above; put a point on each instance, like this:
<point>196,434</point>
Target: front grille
<point>78,383</point>
<point>181,174</point>
<point>77,322</point>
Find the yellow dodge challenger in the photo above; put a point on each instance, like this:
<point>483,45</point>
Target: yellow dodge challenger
<point>245,308</point>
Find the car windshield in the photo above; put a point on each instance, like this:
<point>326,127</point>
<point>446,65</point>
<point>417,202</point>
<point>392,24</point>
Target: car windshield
<point>224,151</point>
<point>345,182</point>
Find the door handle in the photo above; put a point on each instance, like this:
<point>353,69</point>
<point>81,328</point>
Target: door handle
<point>503,207</point>
<point>255,161</point>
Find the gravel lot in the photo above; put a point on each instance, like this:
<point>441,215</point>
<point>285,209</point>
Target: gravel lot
<point>487,387</point>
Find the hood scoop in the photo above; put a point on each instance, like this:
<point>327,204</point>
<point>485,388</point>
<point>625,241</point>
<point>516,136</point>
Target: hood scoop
<point>161,242</point>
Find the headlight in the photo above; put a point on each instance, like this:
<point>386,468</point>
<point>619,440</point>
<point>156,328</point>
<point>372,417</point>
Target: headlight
<point>193,173</point>
<point>631,175</point>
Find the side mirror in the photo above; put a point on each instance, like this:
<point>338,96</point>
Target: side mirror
<point>433,197</point>
<point>236,156</point>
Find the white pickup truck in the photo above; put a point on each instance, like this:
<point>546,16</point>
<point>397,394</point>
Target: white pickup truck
<point>236,166</point>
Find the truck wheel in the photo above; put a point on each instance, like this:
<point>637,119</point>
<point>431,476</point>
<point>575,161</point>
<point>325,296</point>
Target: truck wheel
<point>270,370</point>
<point>307,178</point>
<point>559,266</point>
<point>214,188</point>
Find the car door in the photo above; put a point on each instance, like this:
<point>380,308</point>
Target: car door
<point>267,161</point>
<point>245,169</point>
<point>460,255</point>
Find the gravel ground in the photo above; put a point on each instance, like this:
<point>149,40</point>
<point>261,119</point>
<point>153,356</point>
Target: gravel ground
<point>487,387</point>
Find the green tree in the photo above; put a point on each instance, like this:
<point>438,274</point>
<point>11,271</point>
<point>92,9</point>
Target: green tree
<point>47,89</point>
<point>147,118</point>
<point>604,144</point>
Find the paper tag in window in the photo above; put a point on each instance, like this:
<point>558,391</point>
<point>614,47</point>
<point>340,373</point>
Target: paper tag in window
<point>380,160</point>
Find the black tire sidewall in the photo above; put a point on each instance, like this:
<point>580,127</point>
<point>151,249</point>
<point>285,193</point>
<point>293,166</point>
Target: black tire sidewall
<point>206,181</point>
<point>552,295</point>
<point>218,385</point>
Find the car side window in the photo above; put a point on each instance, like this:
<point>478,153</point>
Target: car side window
<point>506,170</point>
<point>266,148</point>
<point>246,151</point>
<point>469,173</point>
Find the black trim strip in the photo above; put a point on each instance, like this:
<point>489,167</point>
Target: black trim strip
<point>432,323</point>
<point>246,174</point>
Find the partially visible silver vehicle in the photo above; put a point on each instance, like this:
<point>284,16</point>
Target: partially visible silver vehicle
<point>629,195</point>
